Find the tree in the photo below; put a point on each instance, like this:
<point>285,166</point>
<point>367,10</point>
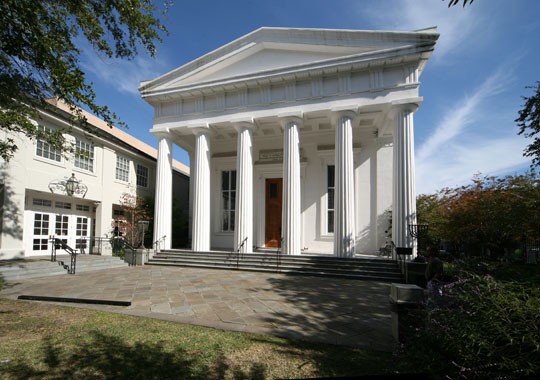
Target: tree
<point>456,2</point>
<point>39,57</point>
<point>135,209</point>
<point>529,125</point>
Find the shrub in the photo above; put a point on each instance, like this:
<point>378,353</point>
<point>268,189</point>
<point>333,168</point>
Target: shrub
<point>481,328</point>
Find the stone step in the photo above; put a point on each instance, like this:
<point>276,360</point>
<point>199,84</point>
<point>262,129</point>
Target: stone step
<point>43,267</point>
<point>328,266</point>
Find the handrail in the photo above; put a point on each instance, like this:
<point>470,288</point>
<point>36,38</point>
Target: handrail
<point>278,254</point>
<point>125,244</point>
<point>158,243</point>
<point>59,243</point>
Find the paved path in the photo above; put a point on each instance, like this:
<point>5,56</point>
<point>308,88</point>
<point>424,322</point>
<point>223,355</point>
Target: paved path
<point>344,312</point>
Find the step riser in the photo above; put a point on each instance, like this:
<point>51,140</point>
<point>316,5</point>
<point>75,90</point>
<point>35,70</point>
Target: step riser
<point>322,266</point>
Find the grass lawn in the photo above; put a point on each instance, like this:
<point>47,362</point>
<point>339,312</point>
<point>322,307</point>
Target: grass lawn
<point>42,341</point>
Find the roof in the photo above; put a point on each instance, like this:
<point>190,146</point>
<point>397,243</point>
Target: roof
<point>121,135</point>
<point>267,51</point>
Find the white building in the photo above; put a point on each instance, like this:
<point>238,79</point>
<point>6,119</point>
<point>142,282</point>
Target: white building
<point>109,163</point>
<point>299,138</point>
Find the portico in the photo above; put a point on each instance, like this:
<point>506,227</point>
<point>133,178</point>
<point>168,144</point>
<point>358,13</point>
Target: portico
<point>299,139</point>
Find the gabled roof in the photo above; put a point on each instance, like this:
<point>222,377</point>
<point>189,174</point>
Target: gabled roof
<point>268,51</point>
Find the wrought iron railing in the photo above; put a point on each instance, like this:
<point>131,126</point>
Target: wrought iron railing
<point>235,254</point>
<point>57,243</point>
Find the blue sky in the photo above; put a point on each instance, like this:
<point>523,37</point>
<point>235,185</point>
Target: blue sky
<point>472,87</point>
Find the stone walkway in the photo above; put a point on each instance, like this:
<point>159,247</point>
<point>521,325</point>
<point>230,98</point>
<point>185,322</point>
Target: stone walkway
<point>343,312</point>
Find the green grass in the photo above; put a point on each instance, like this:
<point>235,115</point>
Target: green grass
<point>42,341</point>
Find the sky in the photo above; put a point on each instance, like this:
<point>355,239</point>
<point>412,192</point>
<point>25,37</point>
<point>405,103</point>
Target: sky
<point>486,56</point>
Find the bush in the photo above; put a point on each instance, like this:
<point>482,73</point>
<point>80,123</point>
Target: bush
<point>480,328</point>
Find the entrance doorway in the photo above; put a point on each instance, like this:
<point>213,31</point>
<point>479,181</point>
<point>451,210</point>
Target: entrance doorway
<point>273,191</point>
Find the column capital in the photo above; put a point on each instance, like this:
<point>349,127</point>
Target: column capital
<point>296,117</point>
<point>200,129</point>
<point>338,113</point>
<point>408,104</point>
<point>243,123</point>
<point>162,133</point>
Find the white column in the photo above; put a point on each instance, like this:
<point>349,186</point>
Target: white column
<point>404,180</point>
<point>291,216</point>
<point>344,215</point>
<point>163,201</point>
<point>243,226</point>
<point>201,193</point>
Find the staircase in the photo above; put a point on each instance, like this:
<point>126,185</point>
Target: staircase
<point>42,267</point>
<point>323,266</point>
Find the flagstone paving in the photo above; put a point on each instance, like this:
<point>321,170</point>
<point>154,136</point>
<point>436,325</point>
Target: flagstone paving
<point>337,311</point>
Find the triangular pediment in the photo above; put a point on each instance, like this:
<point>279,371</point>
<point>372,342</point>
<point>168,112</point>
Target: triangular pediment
<point>269,51</point>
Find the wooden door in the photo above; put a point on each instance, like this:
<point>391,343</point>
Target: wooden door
<point>273,212</point>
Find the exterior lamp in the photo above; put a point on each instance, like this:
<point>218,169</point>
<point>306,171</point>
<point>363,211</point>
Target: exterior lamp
<point>71,185</point>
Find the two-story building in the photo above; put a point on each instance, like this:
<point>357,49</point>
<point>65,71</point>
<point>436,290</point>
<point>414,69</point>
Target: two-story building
<point>74,196</point>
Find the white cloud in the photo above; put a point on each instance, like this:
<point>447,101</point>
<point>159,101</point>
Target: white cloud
<point>456,25</point>
<point>122,75</point>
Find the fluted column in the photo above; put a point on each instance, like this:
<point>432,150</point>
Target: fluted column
<point>344,215</point>
<point>291,216</point>
<point>163,198</point>
<point>201,193</point>
<point>404,181</point>
<point>244,189</point>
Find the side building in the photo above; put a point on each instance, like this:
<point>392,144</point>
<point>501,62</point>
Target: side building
<point>77,196</point>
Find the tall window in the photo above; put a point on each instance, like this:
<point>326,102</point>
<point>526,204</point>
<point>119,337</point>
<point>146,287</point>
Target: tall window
<point>142,176</point>
<point>84,155</point>
<point>228,199</point>
<point>45,150</point>
<point>122,169</point>
<point>330,171</point>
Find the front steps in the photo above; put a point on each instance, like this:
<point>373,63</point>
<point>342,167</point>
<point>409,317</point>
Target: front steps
<point>325,266</point>
<point>13,270</point>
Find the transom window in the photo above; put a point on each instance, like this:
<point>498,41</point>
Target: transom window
<point>45,150</point>
<point>228,199</point>
<point>122,168</point>
<point>84,155</point>
<point>41,202</point>
<point>142,176</point>
<point>330,175</point>
<point>64,205</point>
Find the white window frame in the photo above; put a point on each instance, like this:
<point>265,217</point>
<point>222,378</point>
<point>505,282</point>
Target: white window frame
<point>46,147</point>
<point>231,211</point>
<point>122,168</point>
<point>327,209</point>
<point>84,155</point>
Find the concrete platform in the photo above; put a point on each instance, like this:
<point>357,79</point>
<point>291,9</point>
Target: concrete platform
<point>338,311</point>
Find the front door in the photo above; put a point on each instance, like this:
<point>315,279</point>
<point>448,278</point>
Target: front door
<point>273,212</point>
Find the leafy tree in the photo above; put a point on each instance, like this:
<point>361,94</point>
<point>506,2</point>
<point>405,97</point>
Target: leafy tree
<point>491,213</point>
<point>39,56</point>
<point>456,2</point>
<point>135,210</point>
<point>529,124</point>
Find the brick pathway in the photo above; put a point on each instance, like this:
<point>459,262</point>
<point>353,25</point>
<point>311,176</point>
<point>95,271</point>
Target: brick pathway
<point>344,312</point>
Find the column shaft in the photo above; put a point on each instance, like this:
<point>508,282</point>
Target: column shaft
<point>201,194</point>
<point>244,192</point>
<point>291,219</point>
<point>404,181</point>
<point>163,198</point>
<point>344,222</point>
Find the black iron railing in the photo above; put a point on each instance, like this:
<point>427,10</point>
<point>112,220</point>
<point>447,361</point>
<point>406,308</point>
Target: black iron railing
<point>235,254</point>
<point>57,243</point>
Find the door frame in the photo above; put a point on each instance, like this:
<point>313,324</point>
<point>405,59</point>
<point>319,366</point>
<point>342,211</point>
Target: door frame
<point>277,180</point>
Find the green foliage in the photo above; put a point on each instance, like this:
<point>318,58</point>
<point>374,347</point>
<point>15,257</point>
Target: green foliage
<point>451,3</point>
<point>39,57</point>
<point>492,213</point>
<point>482,327</point>
<point>529,125</point>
